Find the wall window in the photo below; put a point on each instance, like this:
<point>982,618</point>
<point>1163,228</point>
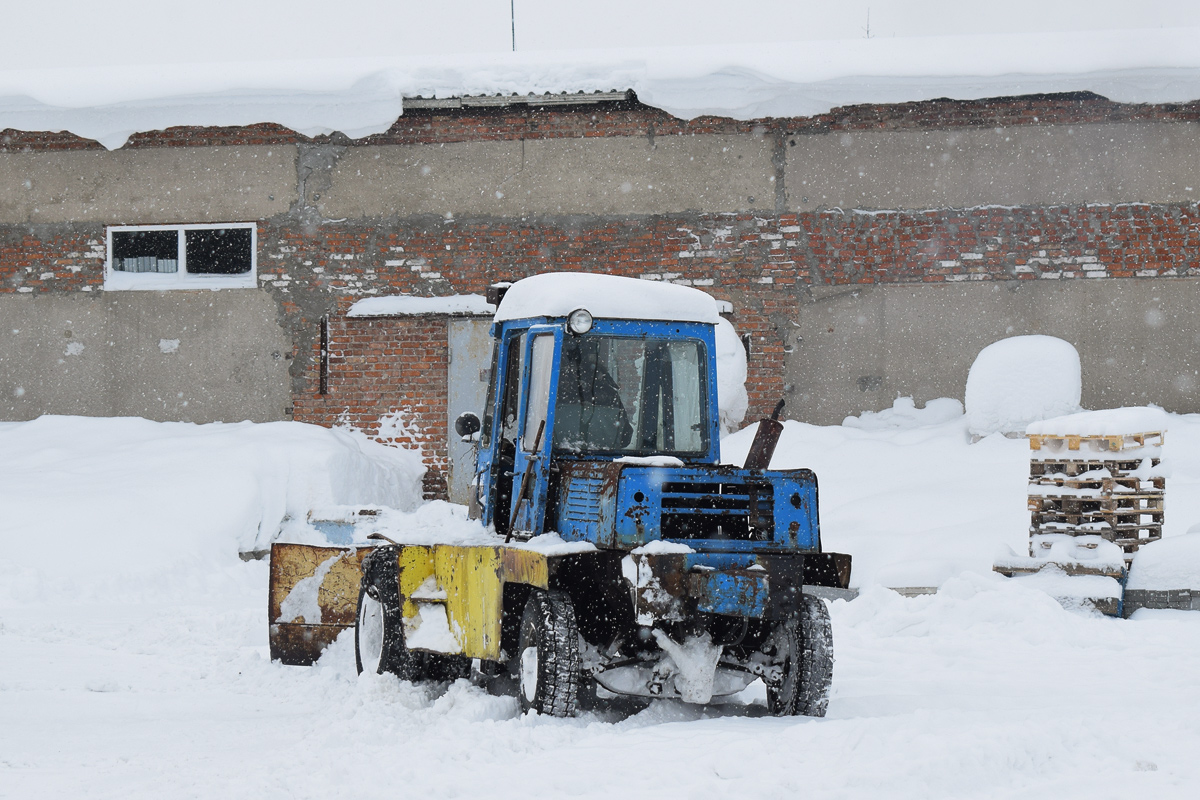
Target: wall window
<point>210,256</point>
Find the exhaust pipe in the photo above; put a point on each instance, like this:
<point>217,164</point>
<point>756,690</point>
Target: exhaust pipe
<point>765,440</point>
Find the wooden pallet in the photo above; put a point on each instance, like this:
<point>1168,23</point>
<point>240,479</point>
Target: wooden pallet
<point>1120,502</point>
<point>1110,443</point>
<point>1070,568</point>
<point>1086,486</point>
<point>1105,485</point>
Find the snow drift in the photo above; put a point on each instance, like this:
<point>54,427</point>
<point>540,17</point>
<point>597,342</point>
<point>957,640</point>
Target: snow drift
<point>120,507</point>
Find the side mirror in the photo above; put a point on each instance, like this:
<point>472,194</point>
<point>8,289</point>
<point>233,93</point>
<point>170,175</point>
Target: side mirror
<point>467,425</point>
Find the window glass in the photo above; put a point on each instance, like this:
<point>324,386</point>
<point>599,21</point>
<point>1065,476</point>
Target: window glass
<point>541,364</point>
<point>631,396</point>
<point>199,256</point>
<point>512,388</point>
<point>218,251</point>
<point>145,251</point>
<point>489,404</point>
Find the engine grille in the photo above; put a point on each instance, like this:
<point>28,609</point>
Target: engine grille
<point>582,499</point>
<point>718,510</point>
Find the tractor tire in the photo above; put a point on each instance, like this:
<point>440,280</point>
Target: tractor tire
<point>803,647</point>
<point>379,630</point>
<point>547,663</point>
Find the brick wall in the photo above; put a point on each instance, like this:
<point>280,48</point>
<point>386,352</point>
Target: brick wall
<point>51,258</point>
<point>387,378</point>
<point>632,118</point>
<point>763,265</point>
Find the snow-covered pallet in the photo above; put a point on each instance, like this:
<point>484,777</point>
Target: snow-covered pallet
<point>1178,599</point>
<point>1119,497</point>
<point>1101,443</point>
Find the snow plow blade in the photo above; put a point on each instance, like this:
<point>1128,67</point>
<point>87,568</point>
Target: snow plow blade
<point>313,597</point>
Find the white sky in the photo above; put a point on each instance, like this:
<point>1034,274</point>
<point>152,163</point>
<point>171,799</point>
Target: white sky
<point>73,33</point>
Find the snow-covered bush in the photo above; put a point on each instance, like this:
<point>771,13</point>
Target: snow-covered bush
<point>1019,380</point>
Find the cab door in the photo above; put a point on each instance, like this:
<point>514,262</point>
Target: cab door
<point>531,469</point>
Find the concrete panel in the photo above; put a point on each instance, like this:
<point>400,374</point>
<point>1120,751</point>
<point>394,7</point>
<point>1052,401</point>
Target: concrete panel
<point>628,175</point>
<point>147,186</point>
<point>1028,165</point>
<point>187,356</point>
<point>858,348</point>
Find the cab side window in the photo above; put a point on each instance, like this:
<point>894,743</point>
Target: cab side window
<point>514,362</point>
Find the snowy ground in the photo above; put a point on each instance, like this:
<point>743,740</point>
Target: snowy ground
<point>984,690</point>
<point>987,689</point>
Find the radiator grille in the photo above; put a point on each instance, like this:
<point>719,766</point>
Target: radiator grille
<point>718,510</point>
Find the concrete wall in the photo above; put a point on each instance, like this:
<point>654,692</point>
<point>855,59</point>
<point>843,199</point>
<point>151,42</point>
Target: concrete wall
<point>1014,166</point>
<point>113,354</point>
<point>740,213</point>
<point>142,187</point>
<point>625,175</point>
<point>858,348</point>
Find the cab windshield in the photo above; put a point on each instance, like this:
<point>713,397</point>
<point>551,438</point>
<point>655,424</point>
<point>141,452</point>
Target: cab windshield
<point>631,396</point>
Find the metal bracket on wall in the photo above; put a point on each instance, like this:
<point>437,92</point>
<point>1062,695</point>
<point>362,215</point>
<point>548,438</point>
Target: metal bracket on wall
<point>323,388</point>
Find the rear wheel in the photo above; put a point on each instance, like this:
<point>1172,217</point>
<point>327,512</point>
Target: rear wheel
<point>547,662</point>
<point>803,648</point>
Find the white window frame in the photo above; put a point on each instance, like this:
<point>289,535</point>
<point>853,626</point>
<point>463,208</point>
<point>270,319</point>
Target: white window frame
<point>116,280</point>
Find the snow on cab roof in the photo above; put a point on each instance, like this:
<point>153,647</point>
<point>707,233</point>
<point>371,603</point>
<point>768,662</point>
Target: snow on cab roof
<point>557,294</point>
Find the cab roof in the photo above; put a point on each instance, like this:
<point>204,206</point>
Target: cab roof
<point>557,294</point>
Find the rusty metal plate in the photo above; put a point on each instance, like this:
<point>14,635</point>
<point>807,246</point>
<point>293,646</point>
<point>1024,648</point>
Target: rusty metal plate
<point>313,596</point>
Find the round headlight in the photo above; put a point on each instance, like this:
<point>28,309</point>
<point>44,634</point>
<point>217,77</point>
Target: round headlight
<point>580,321</point>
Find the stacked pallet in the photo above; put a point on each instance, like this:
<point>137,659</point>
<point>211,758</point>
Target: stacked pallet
<point>1095,486</point>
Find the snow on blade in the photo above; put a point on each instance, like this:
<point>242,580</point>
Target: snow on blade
<point>1019,380</point>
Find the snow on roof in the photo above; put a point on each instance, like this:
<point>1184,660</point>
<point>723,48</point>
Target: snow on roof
<point>362,96</point>
<point>404,305</point>
<point>557,294</point>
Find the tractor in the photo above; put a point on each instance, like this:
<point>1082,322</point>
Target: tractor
<point>619,557</point>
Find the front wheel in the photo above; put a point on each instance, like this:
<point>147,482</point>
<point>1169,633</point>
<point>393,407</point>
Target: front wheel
<point>378,641</point>
<point>547,662</point>
<point>803,647</point>
<point>379,644</point>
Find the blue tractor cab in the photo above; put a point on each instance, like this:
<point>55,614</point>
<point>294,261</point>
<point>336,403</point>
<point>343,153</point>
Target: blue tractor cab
<point>691,578</point>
